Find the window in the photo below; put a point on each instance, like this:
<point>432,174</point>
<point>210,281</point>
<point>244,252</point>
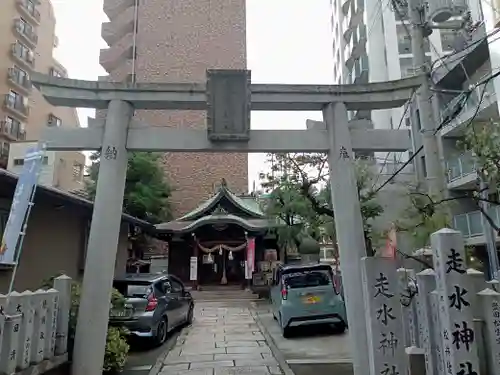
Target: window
<point>4,149</point>
<point>23,52</point>
<point>25,27</point>
<point>19,162</point>
<point>307,279</point>
<point>54,121</point>
<point>77,171</point>
<point>13,98</point>
<point>30,5</point>
<point>176,286</point>
<point>19,75</point>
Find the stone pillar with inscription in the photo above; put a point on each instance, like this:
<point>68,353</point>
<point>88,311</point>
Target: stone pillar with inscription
<point>26,333</point>
<point>51,328</point>
<point>13,321</point>
<point>63,286</point>
<point>456,314</point>
<point>93,315</point>
<point>437,337</point>
<point>3,306</point>
<point>349,228</point>
<point>407,287</point>
<point>40,305</point>
<point>490,303</point>
<point>426,281</point>
<point>384,317</point>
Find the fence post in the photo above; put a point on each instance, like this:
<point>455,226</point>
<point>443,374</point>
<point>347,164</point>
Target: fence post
<point>63,285</point>
<point>454,287</point>
<point>51,326</point>
<point>10,335</point>
<point>24,347</point>
<point>426,281</point>
<point>478,283</point>
<point>40,304</point>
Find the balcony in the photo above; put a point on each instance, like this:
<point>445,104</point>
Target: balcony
<point>25,32</point>
<point>461,172</point>
<point>19,107</point>
<point>20,81</point>
<point>22,55</point>
<point>28,9</point>
<point>487,110</point>
<point>471,224</point>
<point>112,57</point>
<point>114,30</point>
<point>12,133</point>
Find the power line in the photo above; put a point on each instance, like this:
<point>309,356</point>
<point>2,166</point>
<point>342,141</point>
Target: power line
<point>447,121</point>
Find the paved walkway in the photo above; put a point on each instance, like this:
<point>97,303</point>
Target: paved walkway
<point>221,341</point>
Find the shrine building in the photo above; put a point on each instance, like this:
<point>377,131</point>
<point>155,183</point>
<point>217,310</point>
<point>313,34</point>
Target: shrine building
<point>223,241</point>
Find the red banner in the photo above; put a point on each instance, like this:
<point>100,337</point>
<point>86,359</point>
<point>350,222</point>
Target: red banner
<point>250,256</point>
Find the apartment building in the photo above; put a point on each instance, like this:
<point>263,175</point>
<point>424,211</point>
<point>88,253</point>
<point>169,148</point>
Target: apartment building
<point>27,41</point>
<point>371,43</point>
<point>177,41</point>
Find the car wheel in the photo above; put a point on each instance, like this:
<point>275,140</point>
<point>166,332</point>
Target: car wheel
<point>190,315</point>
<point>161,332</point>
<point>339,328</point>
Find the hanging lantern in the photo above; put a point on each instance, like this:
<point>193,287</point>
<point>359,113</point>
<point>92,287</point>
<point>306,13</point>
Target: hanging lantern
<point>209,258</point>
<point>230,255</point>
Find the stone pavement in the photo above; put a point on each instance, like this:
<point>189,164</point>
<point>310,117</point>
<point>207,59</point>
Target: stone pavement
<point>221,341</point>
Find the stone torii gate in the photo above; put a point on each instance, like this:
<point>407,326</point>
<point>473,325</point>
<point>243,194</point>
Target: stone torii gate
<point>228,97</point>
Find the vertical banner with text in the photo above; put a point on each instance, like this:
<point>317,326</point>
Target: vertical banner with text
<point>20,205</point>
<point>250,262</point>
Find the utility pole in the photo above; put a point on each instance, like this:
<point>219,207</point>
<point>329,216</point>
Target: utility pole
<point>435,174</point>
<point>489,233</point>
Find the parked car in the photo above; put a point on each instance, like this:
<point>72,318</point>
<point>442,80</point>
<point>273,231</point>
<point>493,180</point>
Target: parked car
<point>304,295</point>
<point>155,304</point>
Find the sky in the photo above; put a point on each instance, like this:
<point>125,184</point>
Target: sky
<point>287,42</point>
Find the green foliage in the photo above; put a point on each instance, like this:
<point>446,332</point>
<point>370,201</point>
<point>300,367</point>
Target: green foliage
<point>483,140</point>
<point>146,190</point>
<point>422,218</point>
<point>300,197</point>
<point>116,343</point>
<point>116,352</point>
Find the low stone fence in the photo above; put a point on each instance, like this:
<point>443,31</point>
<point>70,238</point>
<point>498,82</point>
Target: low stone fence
<point>440,321</point>
<point>34,329</point>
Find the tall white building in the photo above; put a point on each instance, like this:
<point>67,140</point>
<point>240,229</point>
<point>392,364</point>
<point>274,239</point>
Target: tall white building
<point>371,43</point>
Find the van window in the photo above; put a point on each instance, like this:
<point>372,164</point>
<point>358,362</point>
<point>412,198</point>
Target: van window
<point>307,279</point>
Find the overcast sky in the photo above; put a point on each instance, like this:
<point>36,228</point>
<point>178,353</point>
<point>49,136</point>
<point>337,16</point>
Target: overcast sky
<point>288,41</point>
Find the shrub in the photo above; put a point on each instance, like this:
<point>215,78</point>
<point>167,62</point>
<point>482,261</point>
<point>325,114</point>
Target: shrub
<point>116,344</point>
<point>116,350</point>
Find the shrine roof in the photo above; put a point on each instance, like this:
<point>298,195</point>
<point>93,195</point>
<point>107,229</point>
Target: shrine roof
<point>247,204</point>
<point>187,226</point>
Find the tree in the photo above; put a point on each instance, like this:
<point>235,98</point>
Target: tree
<point>146,190</point>
<point>300,197</point>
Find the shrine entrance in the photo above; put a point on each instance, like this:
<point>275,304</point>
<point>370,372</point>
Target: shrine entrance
<point>222,242</point>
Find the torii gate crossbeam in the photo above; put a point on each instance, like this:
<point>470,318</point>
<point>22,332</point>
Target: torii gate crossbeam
<point>228,97</point>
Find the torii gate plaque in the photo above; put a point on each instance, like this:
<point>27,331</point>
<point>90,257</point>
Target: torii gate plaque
<point>228,97</point>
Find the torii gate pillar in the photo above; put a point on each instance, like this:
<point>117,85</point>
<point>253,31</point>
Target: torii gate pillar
<point>348,228</point>
<point>93,313</point>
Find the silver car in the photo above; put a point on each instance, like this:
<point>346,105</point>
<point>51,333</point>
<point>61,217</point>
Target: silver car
<point>155,304</point>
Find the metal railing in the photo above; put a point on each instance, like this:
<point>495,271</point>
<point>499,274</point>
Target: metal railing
<point>460,167</point>
<point>471,223</point>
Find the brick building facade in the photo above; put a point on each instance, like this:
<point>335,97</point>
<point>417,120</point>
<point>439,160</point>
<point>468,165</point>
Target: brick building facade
<point>177,41</point>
